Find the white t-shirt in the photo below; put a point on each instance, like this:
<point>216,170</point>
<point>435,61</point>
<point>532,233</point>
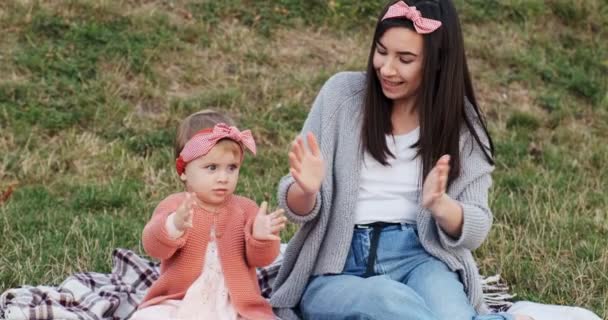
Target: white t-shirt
<point>390,193</point>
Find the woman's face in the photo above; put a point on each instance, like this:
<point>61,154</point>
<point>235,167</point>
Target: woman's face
<point>398,63</point>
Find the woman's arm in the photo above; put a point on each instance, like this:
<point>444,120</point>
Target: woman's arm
<point>308,170</point>
<point>464,218</point>
<point>302,204</point>
<point>449,215</point>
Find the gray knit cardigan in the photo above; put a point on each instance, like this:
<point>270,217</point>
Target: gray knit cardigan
<point>322,243</point>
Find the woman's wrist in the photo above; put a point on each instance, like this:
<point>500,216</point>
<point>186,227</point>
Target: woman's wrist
<point>300,201</point>
<point>449,215</point>
<point>438,207</point>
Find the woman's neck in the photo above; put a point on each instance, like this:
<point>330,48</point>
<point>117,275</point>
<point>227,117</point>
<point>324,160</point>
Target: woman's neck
<point>404,117</point>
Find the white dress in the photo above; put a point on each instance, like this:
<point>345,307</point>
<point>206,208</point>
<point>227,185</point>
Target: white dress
<point>207,298</point>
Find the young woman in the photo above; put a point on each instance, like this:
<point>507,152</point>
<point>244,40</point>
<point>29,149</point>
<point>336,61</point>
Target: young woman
<point>393,197</point>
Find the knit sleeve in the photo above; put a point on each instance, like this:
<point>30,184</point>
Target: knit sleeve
<point>473,186</point>
<point>259,253</point>
<point>157,241</point>
<point>477,216</point>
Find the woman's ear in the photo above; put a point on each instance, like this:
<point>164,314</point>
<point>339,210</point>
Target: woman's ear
<point>183,177</point>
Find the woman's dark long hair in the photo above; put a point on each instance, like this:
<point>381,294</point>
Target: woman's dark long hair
<point>445,84</point>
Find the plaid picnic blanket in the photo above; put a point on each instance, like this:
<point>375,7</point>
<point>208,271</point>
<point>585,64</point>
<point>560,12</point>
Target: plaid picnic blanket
<point>115,296</point>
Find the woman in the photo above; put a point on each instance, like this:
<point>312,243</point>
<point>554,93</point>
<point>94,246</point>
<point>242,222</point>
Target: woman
<point>393,197</point>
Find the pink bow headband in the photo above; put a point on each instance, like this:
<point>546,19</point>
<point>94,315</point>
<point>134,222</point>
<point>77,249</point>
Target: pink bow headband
<point>421,24</point>
<point>202,142</point>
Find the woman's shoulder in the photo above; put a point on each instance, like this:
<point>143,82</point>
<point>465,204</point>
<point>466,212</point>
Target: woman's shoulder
<point>343,89</point>
<point>345,83</point>
<point>474,153</point>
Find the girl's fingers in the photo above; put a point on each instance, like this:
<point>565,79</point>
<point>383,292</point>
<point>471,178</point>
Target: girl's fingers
<point>272,237</point>
<point>278,221</point>
<point>277,213</point>
<point>192,200</point>
<point>263,208</point>
<point>188,219</point>
<point>184,204</point>
<point>277,228</point>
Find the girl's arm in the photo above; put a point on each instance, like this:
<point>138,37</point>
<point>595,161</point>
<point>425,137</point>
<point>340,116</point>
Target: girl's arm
<point>157,240</point>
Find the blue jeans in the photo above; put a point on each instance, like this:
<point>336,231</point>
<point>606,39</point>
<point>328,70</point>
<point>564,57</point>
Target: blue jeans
<point>408,283</point>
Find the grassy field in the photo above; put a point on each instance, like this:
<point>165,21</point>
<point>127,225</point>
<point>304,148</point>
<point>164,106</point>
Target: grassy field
<point>91,92</point>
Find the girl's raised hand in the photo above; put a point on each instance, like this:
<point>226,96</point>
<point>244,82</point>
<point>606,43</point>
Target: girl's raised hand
<point>435,183</point>
<point>267,226</point>
<point>183,215</point>
<point>306,166</point>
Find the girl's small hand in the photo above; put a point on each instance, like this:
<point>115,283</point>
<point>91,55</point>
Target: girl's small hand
<point>183,215</point>
<point>267,226</point>
<point>307,166</point>
<point>435,183</point>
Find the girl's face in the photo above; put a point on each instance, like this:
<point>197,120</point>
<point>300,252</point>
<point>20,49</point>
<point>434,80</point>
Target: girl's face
<point>213,177</point>
<point>398,63</point>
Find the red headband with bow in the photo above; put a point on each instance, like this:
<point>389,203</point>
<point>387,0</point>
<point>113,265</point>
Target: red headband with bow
<point>202,142</point>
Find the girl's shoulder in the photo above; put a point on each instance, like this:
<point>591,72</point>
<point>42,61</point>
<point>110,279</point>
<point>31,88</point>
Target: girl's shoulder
<point>173,198</point>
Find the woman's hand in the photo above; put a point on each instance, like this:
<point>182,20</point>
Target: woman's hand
<point>306,166</point>
<point>268,226</point>
<point>435,183</point>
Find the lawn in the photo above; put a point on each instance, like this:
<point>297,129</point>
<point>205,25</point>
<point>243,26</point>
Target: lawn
<point>91,93</point>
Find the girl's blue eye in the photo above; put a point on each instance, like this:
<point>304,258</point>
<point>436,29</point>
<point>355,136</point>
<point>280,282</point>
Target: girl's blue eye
<point>232,167</point>
<point>211,167</point>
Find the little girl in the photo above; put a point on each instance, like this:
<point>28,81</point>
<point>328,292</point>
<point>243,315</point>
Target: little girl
<point>210,241</point>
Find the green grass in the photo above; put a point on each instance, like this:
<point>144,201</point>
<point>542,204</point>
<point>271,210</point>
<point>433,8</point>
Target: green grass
<point>92,91</point>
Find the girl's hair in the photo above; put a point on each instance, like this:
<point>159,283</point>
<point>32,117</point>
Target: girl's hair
<point>445,86</point>
<point>231,146</point>
<point>197,122</point>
